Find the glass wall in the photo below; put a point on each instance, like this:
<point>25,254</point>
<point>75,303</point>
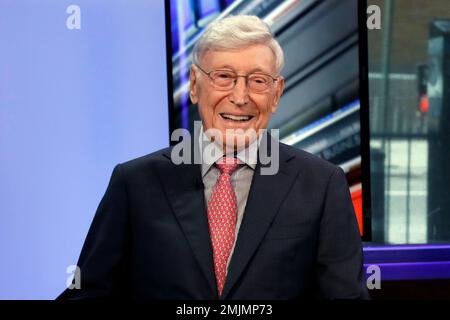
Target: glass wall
<point>409,95</point>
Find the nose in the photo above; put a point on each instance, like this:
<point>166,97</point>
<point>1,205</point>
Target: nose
<point>239,94</point>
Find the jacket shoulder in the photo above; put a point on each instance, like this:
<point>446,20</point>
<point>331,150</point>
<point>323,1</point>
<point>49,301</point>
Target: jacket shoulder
<point>145,162</point>
<point>309,162</point>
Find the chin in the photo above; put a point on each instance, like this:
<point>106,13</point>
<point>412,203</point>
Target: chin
<point>238,142</point>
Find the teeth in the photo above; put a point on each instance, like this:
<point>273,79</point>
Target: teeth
<point>236,118</point>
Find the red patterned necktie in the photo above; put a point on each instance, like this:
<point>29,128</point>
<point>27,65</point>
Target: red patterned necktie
<point>222,215</point>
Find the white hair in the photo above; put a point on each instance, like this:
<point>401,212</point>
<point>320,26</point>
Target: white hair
<point>237,32</point>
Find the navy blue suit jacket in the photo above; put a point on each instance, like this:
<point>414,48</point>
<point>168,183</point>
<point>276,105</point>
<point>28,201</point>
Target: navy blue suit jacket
<point>150,237</point>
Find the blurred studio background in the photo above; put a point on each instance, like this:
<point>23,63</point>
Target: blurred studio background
<point>87,84</point>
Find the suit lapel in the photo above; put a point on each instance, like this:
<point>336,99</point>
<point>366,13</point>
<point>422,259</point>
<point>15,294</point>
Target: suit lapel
<point>266,195</point>
<point>184,188</point>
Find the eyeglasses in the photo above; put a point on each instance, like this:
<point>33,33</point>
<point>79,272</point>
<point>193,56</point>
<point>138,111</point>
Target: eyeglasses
<point>226,80</point>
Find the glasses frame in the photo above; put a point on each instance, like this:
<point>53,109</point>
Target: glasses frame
<point>274,79</point>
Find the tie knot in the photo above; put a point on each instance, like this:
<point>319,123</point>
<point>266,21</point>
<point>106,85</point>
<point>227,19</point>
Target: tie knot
<point>227,165</point>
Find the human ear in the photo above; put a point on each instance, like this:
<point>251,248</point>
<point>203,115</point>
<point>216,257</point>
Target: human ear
<point>278,92</point>
<point>193,85</point>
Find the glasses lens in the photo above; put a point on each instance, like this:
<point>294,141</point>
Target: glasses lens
<point>223,78</point>
<point>258,82</point>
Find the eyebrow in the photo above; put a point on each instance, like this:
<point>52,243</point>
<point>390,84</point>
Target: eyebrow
<point>256,69</point>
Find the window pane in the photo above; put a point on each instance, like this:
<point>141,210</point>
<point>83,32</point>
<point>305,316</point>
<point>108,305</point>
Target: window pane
<point>409,95</point>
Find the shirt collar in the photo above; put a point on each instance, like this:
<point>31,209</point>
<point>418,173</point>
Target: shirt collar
<point>248,156</point>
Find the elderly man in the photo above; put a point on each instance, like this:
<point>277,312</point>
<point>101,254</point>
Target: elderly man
<point>220,229</point>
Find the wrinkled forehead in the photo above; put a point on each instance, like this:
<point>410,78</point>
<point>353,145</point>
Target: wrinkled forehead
<point>252,58</point>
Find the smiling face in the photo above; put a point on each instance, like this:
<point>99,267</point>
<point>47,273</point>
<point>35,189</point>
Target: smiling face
<point>237,108</point>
